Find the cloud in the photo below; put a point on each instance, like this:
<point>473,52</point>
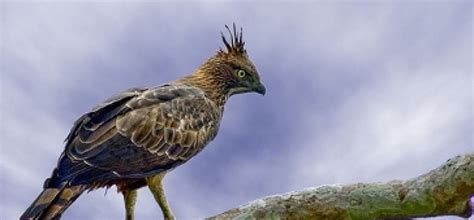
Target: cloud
<point>356,92</point>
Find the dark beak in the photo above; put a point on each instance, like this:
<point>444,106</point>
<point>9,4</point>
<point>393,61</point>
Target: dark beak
<point>260,89</point>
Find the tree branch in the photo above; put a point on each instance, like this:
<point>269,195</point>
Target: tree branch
<point>443,191</point>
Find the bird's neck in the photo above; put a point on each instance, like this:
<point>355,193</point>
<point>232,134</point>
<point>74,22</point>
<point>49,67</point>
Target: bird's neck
<point>214,87</point>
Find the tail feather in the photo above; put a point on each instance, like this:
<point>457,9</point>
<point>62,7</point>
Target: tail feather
<point>41,203</point>
<point>52,202</point>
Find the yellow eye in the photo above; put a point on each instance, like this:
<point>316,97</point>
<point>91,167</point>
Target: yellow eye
<point>241,74</point>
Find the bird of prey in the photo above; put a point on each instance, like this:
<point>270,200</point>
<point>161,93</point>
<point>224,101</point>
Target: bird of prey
<point>134,138</point>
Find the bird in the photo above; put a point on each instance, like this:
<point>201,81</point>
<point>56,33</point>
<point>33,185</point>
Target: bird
<point>136,137</point>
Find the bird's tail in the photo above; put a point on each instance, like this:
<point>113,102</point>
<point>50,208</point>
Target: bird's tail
<point>52,202</point>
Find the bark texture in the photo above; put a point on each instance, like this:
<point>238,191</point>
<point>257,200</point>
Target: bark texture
<point>446,190</point>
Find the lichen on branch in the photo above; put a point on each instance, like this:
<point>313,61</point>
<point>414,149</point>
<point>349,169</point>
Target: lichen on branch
<point>445,190</point>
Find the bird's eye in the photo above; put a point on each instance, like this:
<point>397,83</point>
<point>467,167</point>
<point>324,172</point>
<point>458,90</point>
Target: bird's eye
<point>241,74</point>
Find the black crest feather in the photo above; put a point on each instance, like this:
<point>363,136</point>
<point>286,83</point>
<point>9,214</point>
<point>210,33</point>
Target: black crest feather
<point>236,45</point>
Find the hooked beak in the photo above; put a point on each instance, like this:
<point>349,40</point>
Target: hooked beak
<point>260,89</point>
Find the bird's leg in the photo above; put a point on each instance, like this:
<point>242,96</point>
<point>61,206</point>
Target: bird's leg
<point>155,183</point>
<point>130,198</point>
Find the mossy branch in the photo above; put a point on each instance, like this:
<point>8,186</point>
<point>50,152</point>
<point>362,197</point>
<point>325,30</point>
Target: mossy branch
<point>443,191</point>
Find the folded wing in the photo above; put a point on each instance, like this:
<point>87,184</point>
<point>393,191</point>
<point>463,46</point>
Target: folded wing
<point>139,133</point>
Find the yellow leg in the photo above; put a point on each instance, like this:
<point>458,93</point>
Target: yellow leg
<point>130,198</point>
<point>155,183</point>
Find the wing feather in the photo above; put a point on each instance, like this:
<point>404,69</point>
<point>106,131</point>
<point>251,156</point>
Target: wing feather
<point>141,132</point>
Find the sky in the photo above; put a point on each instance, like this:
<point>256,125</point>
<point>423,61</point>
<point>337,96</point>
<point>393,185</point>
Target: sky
<point>356,92</point>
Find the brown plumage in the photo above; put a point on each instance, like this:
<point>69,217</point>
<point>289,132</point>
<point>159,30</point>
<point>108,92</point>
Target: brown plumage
<point>134,138</point>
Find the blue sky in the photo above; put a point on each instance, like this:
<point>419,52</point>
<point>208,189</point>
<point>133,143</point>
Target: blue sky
<point>356,92</point>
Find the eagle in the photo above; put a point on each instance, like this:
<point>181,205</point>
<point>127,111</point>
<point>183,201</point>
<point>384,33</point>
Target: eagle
<point>134,138</point>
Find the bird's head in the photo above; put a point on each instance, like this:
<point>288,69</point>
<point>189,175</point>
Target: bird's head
<point>230,70</point>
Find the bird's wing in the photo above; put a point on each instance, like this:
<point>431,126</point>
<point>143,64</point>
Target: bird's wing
<point>102,113</point>
<point>142,131</point>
